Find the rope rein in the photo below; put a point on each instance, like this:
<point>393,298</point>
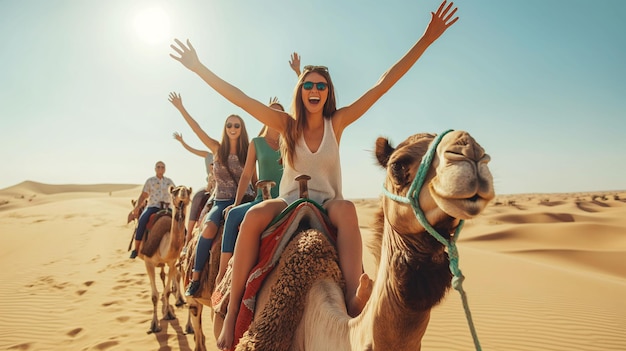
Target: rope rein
<point>412,198</point>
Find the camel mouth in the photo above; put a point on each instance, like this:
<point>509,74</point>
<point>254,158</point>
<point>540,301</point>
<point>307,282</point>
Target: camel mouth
<point>474,198</point>
<point>462,208</point>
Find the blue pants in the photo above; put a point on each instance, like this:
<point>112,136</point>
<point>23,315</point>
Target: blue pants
<point>143,221</point>
<point>231,225</point>
<point>204,245</point>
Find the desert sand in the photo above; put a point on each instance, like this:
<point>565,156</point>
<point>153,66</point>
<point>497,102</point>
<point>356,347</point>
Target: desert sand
<point>543,272</point>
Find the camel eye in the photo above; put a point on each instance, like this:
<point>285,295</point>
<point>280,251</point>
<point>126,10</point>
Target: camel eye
<point>399,171</point>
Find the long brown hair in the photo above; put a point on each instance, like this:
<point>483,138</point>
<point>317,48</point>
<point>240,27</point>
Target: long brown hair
<point>295,126</point>
<point>242,147</point>
<point>273,102</point>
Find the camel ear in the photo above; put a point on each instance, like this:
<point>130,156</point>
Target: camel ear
<point>383,151</point>
<point>171,189</point>
<point>190,192</point>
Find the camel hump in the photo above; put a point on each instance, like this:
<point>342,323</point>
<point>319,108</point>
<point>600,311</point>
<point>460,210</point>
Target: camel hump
<point>295,228</point>
<point>155,216</point>
<point>309,257</point>
<point>152,239</point>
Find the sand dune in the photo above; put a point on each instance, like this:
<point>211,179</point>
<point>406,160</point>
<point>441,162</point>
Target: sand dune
<point>543,272</point>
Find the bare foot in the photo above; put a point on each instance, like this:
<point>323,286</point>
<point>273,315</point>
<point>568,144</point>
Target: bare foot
<point>225,340</point>
<point>363,292</point>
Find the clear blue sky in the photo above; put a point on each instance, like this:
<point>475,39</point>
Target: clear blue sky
<point>540,84</point>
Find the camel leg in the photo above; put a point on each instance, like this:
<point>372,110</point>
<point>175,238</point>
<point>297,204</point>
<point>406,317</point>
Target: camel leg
<point>162,275</point>
<point>189,326</point>
<point>154,325</point>
<point>168,310</point>
<point>180,300</point>
<point>195,313</point>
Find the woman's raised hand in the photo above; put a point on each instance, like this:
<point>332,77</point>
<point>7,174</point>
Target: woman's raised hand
<point>440,21</point>
<point>176,100</point>
<point>187,55</point>
<point>294,63</point>
<point>178,136</point>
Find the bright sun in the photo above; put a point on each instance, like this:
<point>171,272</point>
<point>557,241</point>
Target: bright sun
<point>152,25</point>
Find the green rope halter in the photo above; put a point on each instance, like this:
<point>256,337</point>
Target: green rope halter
<point>412,198</point>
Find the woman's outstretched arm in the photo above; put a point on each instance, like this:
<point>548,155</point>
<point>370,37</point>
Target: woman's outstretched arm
<point>194,151</point>
<point>211,143</point>
<point>440,21</point>
<point>189,58</point>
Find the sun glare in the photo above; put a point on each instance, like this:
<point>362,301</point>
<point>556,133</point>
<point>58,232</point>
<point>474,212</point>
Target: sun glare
<point>152,25</point>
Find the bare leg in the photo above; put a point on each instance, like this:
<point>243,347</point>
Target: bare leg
<point>224,258</point>
<point>244,258</point>
<point>342,214</point>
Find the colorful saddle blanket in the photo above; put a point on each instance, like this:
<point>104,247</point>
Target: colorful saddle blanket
<point>302,214</point>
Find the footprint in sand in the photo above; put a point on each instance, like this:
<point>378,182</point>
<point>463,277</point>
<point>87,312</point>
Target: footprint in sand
<point>111,303</point>
<point>25,346</point>
<point>74,332</point>
<point>106,345</point>
<point>87,284</point>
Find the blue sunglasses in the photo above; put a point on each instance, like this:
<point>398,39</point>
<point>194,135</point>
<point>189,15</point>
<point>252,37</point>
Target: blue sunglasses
<point>319,85</point>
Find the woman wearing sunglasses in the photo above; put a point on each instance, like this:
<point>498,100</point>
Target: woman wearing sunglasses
<point>263,150</point>
<point>230,156</point>
<point>310,146</point>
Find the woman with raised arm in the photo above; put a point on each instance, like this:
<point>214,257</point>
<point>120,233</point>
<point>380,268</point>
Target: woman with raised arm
<point>310,145</point>
<point>230,156</point>
<point>263,149</point>
<point>201,197</point>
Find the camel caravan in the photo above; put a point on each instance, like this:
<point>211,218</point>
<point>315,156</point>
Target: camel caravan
<point>295,295</point>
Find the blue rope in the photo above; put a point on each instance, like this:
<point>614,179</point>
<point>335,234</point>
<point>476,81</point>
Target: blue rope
<point>412,198</point>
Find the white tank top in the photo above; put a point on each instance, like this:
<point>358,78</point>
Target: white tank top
<point>323,167</point>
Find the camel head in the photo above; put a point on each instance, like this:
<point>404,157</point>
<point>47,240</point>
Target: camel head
<point>457,185</point>
<point>131,214</point>
<point>181,197</point>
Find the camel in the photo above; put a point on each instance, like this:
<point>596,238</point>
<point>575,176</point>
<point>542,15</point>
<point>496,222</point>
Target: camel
<point>161,247</point>
<point>306,310</point>
<point>208,277</point>
<point>131,217</point>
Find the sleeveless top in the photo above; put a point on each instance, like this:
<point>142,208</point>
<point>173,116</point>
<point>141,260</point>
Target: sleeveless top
<point>225,185</point>
<point>269,168</point>
<point>323,167</point>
